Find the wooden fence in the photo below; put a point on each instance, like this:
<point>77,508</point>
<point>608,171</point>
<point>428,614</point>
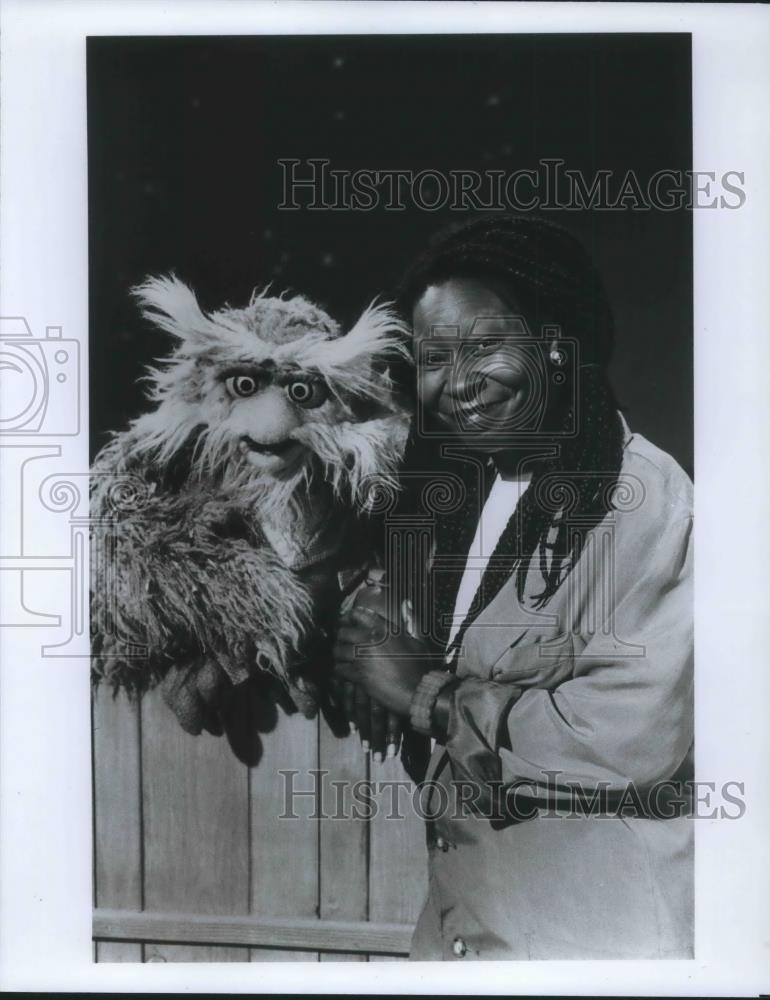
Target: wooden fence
<point>194,863</point>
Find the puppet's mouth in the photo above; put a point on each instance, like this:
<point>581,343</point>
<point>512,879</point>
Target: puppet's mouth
<point>275,448</point>
<point>274,458</point>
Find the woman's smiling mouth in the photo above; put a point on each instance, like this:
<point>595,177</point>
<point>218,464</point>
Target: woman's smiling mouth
<point>462,414</point>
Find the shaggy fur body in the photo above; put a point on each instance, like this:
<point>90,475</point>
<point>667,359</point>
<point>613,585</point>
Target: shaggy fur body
<point>185,501</point>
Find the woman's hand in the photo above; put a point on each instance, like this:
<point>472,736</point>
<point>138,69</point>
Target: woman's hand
<point>389,671</point>
<point>380,730</point>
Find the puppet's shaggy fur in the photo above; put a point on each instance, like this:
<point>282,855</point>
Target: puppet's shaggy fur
<point>268,423</point>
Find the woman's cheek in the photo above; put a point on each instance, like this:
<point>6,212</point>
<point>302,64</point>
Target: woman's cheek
<point>429,386</point>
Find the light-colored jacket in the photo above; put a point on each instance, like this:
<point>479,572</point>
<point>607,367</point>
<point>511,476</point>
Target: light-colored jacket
<point>594,691</point>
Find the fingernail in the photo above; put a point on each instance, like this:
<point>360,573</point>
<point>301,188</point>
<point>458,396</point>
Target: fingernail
<point>378,757</point>
<point>365,746</point>
<point>353,727</point>
<point>391,751</point>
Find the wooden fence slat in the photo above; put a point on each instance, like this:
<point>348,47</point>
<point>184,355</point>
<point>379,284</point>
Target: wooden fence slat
<point>344,840</point>
<point>397,852</point>
<point>284,852</point>
<point>225,878</point>
<point>117,813</point>
<point>194,928</point>
<point>196,816</point>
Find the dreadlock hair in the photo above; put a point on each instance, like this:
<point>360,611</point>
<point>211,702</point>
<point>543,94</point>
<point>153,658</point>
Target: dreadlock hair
<point>552,277</point>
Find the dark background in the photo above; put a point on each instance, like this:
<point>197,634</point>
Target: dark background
<point>184,135</point>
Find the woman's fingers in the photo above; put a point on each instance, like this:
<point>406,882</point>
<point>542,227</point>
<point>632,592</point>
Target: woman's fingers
<point>392,734</point>
<point>350,638</point>
<point>368,619</point>
<point>343,652</point>
<point>363,716</point>
<point>379,730</point>
<point>378,727</point>
<point>345,670</point>
<point>349,704</point>
<point>354,635</point>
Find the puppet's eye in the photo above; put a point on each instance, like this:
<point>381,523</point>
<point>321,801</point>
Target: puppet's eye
<point>307,392</point>
<point>241,385</point>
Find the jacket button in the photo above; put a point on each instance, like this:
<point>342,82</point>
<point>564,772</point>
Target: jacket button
<point>443,845</point>
<point>459,947</point>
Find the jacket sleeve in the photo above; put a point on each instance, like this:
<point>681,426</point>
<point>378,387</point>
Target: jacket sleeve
<point>625,713</point>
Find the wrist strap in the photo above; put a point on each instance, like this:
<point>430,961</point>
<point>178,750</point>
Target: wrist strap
<point>424,699</point>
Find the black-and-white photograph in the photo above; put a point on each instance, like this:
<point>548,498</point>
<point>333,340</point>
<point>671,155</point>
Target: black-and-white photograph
<point>383,557</point>
<point>391,412</point>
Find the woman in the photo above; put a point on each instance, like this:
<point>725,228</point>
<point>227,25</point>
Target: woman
<point>552,661</point>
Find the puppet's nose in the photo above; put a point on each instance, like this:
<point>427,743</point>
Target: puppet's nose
<point>268,418</point>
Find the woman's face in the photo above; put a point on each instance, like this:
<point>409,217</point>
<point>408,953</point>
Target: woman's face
<point>480,372</point>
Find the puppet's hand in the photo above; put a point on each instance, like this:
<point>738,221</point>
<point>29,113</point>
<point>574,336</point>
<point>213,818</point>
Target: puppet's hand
<point>202,696</point>
<point>194,694</point>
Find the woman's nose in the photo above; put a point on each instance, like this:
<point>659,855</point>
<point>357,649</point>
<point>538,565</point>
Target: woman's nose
<point>467,384</point>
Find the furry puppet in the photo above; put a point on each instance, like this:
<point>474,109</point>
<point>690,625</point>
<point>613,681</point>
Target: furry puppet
<point>230,520</point>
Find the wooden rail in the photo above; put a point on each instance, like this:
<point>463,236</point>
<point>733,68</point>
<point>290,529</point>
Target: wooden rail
<point>302,934</point>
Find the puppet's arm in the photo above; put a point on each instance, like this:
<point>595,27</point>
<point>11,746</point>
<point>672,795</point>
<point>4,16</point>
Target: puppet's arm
<point>176,579</point>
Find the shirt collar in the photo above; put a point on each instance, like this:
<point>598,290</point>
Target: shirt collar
<point>627,432</point>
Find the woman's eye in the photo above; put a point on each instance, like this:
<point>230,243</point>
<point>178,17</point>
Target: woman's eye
<point>488,345</point>
<point>437,358</point>
<point>241,386</point>
<point>307,393</point>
